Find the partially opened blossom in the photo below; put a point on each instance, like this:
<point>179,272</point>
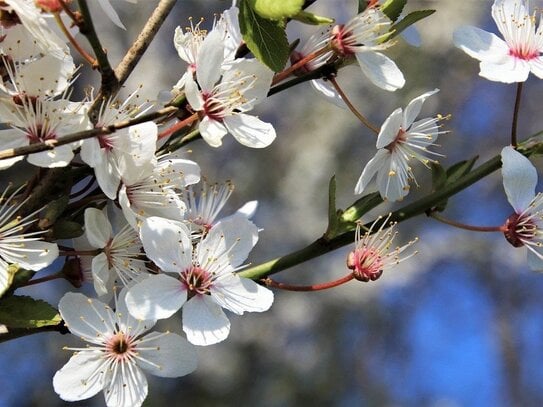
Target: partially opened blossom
<point>111,155</point>
<point>222,97</point>
<point>202,280</point>
<point>373,252</point>
<point>119,350</point>
<point>18,245</point>
<point>155,189</point>
<point>525,226</point>
<point>121,257</point>
<point>401,142</point>
<point>513,58</point>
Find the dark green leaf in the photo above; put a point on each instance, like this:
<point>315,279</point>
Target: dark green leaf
<point>276,10</point>
<point>393,8</point>
<point>360,208</point>
<point>52,211</point>
<point>458,170</point>
<point>439,176</point>
<point>65,229</point>
<point>22,276</point>
<point>266,39</point>
<point>362,5</point>
<point>408,20</point>
<point>26,312</point>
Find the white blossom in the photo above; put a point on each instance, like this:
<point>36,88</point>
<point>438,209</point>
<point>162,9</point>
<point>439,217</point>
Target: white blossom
<point>513,58</point>
<point>401,140</point>
<point>118,352</point>
<point>201,280</point>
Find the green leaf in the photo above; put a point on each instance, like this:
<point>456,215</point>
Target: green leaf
<point>362,5</point>
<point>408,20</point>
<point>393,8</point>
<point>276,10</point>
<point>266,39</point>
<point>331,231</point>
<point>52,211</point>
<point>66,229</point>
<point>458,170</point>
<point>310,18</point>
<point>11,271</point>
<point>360,208</point>
<point>439,176</point>
<point>26,312</point>
<point>21,277</point>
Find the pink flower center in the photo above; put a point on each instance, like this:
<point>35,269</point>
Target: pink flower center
<point>197,281</point>
<point>519,230</point>
<point>105,142</point>
<point>213,108</point>
<point>40,133</point>
<point>524,53</point>
<point>366,263</point>
<point>400,138</point>
<point>120,347</point>
<point>342,41</point>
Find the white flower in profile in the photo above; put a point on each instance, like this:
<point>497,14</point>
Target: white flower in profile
<point>513,58</point>
<point>525,226</point>
<point>221,97</point>
<point>202,280</point>
<point>121,256</point>
<point>364,36</point>
<point>112,154</point>
<point>18,245</point>
<point>373,251</point>
<point>118,352</point>
<point>401,141</point>
<point>155,190</point>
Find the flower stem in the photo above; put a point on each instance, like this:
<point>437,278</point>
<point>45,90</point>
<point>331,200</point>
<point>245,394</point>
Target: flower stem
<point>351,107</point>
<point>515,115</point>
<point>314,287</point>
<point>50,277</point>
<point>281,76</point>
<point>466,227</point>
<point>92,61</point>
<point>178,126</point>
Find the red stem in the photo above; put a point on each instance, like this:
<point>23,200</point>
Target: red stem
<point>315,287</point>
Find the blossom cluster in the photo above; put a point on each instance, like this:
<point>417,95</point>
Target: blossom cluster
<point>152,243</point>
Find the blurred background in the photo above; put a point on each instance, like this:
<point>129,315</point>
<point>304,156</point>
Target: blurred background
<point>459,324</point>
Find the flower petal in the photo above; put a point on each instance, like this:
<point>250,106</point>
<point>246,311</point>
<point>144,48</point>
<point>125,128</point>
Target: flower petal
<point>210,58</point>
<point>250,130</point>
<point>480,44</point>
<point>167,243</point>
<point>97,228</point>
<point>241,294</point>
<point>80,378</point>
<point>85,317</point>
<point>509,70</point>
<point>100,273</point>
<point>390,128</point>
<point>519,179</point>
<point>204,321</point>
<point>167,355</point>
<point>381,70</point>
<point>126,386</point>
<point>413,108</point>
<point>212,131</point>
<point>326,89</point>
<point>372,167</point>
<point>156,297</point>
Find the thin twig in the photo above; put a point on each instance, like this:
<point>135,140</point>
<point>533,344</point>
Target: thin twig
<point>515,115</point>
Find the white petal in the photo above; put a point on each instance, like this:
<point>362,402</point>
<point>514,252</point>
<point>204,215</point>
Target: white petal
<point>127,387</point>
<point>250,130</point>
<point>212,131</point>
<point>156,297</point>
<point>392,186</point>
<point>248,209</point>
<point>381,70</point>
<point>11,138</point>
<point>173,356</point>
<point>193,94</point>
<point>413,108</point>
<point>85,317</point>
<point>78,379</point>
<point>204,321</point>
<point>480,44</point>
<point>91,152</point>
<point>241,294</point>
<point>111,13</point>
<point>326,89</point>
<point>33,255</point>
<point>509,70</point>
<point>46,76</point>
<point>536,66</point>
<point>210,59</point>
<point>262,75</point>
<point>97,228</point>
<point>235,234</point>
<point>390,128</point>
<point>177,171</point>
<point>108,178</point>
<point>100,273</point>
<point>372,167</point>
<point>167,243</point>
<point>519,178</point>
<point>535,258</point>
<point>58,157</point>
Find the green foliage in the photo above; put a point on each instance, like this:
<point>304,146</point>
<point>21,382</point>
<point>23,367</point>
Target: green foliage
<point>11,271</point>
<point>359,209</point>
<point>265,38</point>
<point>312,19</point>
<point>20,278</point>
<point>66,229</point>
<point>26,312</point>
<point>393,8</point>
<point>441,178</point>
<point>276,10</point>
<point>52,211</point>
<point>408,20</point>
